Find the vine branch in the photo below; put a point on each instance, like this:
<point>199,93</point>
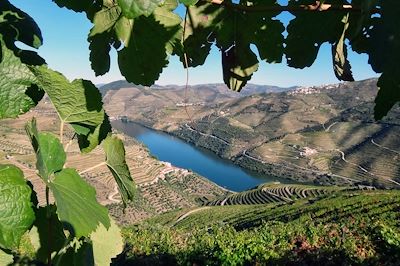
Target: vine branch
<point>49,229</point>
<point>186,64</point>
<point>317,6</point>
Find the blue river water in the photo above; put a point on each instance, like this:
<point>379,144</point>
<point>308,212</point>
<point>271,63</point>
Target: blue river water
<point>185,155</point>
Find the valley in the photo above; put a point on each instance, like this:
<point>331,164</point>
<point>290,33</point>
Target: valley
<point>338,170</point>
<point>324,135</point>
<point>161,187</point>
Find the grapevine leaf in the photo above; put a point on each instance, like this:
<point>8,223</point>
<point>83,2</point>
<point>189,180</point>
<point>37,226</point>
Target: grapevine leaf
<point>16,213</point>
<point>384,55</point>
<point>105,19</point>
<point>99,53</point>
<point>341,64</point>
<point>233,32</point>
<point>162,29</point>
<point>115,159</point>
<point>16,25</point>
<point>50,155</point>
<point>307,31</point>
<point>238,67</point>
<point>188,2</point>
<point>78,103</point>
<point>268,37</point>
<point>123,29</point>
<point>136,8</point>
<point>172,23</point>
<point>107,244</point>
<point>75,5</point>
<point>77,254</point>
<point>76,203</point>
<point>360,25</point>
<point>18,91</point>
<point>388,94</point>
<point>110,27</point>
<point>6,259</point>
<point>39,234</point>
<point>199,32</point>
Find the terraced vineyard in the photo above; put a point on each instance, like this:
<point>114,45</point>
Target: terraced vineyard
<point>351,227</point>
<point>161,186</point>
<point>298,135</point>
<point>341,205</point>
<point>374,161</point>
<point>276,193</point>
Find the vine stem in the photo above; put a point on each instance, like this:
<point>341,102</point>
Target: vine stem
<point>49,227</point>
<point>318,6</point>
<point>69,143</point>
<point>186,65</point>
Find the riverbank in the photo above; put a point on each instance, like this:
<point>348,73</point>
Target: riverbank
<point>221,147</point>
<point>283,173</point>
<point>221,171</point>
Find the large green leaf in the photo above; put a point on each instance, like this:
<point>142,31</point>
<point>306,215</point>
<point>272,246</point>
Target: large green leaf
<point>233,32</point>
<point>78,103</point>
<point>77,206</point>
<point>162,28</point>
<point>105,19</point>
<point>360,24</point>
<point>6,259</point>
<point>75,5</point>
<point>136,8</point>
<point>115,159</point>
<point>384,56</point>
<point>188,2</point>
<point>79,252</point>
<point>341,64</point>
<point>123,29</point>
<point>16,25</point>
<point>238,65</point>
<point>172,25</point>
<point>18,92</point>
<point>109,29</point>
<point>99,53</point>
<point>308,31</point>
<point>16,213</point>
<point>107,244</point>
<point>47,234</point>
<point>50,155</point>
<point>199,32</point>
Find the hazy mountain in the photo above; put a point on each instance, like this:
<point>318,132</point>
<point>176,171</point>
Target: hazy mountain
<point>248,90</point>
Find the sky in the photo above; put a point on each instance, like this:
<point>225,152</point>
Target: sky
<point>65,49</point>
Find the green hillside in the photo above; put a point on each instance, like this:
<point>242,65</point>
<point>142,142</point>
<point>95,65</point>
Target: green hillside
<point>344,227</point>
<point>273,193</point>
<point>324,134</point>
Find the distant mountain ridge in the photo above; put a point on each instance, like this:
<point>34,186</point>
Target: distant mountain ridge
<point>250,89</point>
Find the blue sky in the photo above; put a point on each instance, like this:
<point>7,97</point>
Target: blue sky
<point>66,50</point>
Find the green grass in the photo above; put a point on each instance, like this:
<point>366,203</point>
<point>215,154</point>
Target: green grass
<point>344,228</point>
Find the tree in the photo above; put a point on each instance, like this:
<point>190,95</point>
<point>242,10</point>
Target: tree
<point>149,31</point>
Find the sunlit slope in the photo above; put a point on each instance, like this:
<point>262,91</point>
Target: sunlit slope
<point>343,228</point>
<point>273,193</point>
<point>324,134</point>
<point>336,207</point>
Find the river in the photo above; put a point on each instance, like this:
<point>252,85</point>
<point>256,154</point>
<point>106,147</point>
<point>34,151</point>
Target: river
<point>185,155</point>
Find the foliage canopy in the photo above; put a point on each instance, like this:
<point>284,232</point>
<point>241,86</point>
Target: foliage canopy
<point>150,31</point>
